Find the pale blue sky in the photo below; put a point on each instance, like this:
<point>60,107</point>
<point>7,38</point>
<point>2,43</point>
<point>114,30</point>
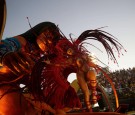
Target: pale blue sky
<point>76,16</point>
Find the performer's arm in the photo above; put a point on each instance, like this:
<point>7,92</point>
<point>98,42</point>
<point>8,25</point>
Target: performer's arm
<point>13,56</point>
<point>9,45</point>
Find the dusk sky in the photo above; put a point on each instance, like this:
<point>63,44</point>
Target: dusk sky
<point>76,16</point>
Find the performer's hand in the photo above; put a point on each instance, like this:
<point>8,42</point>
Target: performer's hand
<point>18,62</point>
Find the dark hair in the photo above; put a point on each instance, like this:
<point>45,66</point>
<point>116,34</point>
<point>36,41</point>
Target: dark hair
<point>35,31</point>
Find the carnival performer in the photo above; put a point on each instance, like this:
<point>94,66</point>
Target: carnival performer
<point>41,59</point>
<point>21,53</point>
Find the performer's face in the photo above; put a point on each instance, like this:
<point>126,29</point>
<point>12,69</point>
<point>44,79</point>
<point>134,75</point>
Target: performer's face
<point>45,40</point>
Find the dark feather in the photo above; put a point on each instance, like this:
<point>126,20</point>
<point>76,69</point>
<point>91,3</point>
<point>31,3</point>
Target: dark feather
<point>107,40</point>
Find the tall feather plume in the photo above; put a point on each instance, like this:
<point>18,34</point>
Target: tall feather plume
<point>107,40</point>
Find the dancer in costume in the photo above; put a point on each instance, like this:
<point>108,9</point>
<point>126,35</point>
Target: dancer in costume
<point>25,56</point>
<point>42,58</point>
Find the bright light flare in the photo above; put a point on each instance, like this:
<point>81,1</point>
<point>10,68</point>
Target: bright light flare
<point>93,58</point>
<point>4,70</point>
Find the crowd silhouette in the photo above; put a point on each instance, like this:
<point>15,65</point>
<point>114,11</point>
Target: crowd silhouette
<point>124,82</point>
